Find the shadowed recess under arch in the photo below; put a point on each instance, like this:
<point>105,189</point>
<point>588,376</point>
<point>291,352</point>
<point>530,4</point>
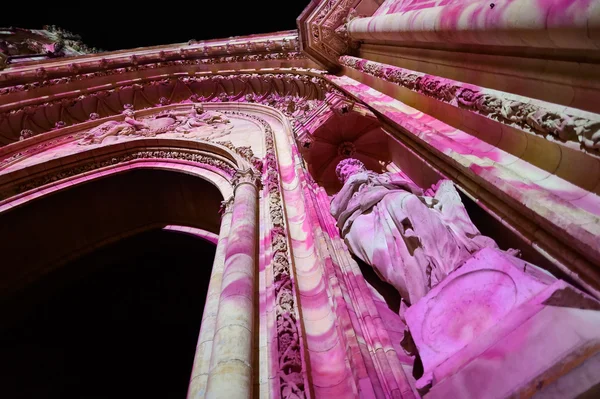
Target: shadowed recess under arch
<point>119,322</point>
<point>39,236</point>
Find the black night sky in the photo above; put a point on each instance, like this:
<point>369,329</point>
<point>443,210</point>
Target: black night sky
<point>121,25</point>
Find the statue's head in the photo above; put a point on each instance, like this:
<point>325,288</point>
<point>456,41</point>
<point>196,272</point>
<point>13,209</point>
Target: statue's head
<point>347,167</point>
<point>129,113</point>
<point>198,108</point>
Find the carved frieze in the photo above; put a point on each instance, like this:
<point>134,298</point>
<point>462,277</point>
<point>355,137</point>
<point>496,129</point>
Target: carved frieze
<point>135,67</point>
<point>293,94</point>
<point>190,123</point>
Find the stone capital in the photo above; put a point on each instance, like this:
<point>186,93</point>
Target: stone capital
<point>226,206</point>
<point>246,176</point>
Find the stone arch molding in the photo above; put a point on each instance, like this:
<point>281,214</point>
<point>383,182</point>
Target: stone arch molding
<point>254,247</point>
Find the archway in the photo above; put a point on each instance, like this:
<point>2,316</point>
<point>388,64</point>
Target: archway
<point>47,231</point>
<point>115,223</point>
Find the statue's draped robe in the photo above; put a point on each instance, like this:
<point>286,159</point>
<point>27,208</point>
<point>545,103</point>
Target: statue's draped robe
<point>411,240</point>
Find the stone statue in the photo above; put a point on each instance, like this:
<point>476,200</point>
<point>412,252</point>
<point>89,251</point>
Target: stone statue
<point>412,240</point>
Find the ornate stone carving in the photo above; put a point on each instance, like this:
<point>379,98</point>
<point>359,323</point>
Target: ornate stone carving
<point>528,117</point>
<point>25,134</point>
<point>226,205</point>
<point>187,155</point>
<point>246,176</point>
<point>246,153</point>
<point>323,31</point>
<point>412,240</point>
<point>294,94</point>
<point>291,368</point>
<point>70,40</point>
<point>194,122</point>
<point>289,342</point>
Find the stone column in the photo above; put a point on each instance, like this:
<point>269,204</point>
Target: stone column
<point>200,369</point>
<point>230,374</point>
<point>514,23</point>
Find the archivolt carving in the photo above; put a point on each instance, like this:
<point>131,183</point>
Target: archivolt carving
<point>526,116</point>
<point>292,373</point>
<point>293,94</point>
<point>187,155</point>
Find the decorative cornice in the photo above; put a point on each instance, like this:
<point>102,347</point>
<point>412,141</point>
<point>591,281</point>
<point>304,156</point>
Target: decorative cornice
<point>75,77</point>
<point>279,45</point>
<point>528,117</point>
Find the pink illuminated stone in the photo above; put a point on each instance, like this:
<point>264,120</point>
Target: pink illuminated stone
<point>412,240</point>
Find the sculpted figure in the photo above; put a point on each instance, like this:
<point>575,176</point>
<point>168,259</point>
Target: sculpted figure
<point>111,128</point>
<point>129,126</point>
<point>412,240</point>
<point>197,122</point>
<point>187,119</point>
<point>194,122</point>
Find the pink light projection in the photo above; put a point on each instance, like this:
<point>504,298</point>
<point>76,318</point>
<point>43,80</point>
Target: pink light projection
<point>358,161</point>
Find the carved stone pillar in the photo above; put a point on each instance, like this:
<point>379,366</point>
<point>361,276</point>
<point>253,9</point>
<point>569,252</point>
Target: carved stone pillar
<point>200,369</point>
<point>230,374</point>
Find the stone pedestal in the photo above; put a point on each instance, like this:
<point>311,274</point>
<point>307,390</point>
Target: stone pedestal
<point>499,327</point>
